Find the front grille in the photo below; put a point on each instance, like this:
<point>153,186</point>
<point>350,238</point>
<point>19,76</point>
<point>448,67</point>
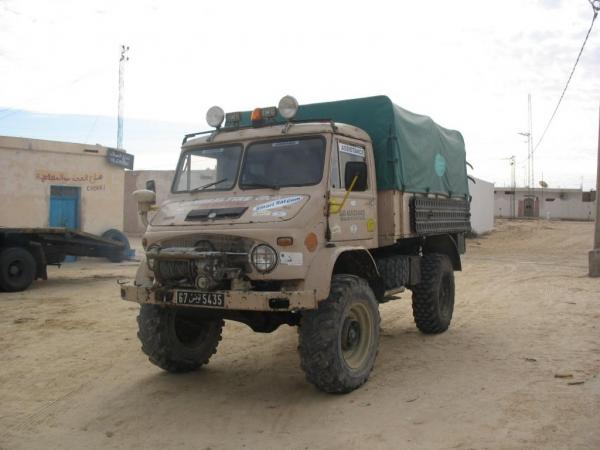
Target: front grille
<point>218,242</point>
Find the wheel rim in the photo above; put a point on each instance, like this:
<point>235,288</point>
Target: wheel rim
<point>190,333</point>
<point>356,336</point>
<point>445,299</point>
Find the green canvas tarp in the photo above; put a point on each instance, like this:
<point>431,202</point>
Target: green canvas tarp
<point>412,152</point>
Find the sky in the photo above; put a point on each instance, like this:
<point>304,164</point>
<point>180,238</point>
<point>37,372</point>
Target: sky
<point>468,64</point>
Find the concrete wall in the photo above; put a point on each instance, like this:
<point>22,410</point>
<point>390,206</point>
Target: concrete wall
<point>28,167</point>
<point>482,206</point>
<point>136,179</point>
<point>551,203</point>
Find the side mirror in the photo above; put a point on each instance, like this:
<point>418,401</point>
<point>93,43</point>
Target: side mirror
<point>144,196</point>
<point>356,169</point>
<point>145,199</point>
<point>151,185</point>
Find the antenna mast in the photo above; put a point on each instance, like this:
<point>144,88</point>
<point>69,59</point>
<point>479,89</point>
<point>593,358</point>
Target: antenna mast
<point>122,60</point>
<point>530,142</point>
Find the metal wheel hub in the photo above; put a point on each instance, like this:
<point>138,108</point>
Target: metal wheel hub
<point>15,269</point>
<point>356,336</point>
<point>350,334</point>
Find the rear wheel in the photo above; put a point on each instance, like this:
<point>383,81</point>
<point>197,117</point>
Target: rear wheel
<point>339,340</point>
<point>433,297</point>
<point>17,269</point>
<point>175,339</point>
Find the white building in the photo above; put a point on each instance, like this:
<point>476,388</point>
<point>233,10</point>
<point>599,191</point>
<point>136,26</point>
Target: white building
<point>546,203</point>
<point>61,184</point>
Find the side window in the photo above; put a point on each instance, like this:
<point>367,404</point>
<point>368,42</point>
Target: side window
<point>347,153</point>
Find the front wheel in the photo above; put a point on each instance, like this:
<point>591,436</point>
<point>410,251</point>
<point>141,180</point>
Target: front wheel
<point>175,339</point>
<point>339,340</point>
<point>433,297</point>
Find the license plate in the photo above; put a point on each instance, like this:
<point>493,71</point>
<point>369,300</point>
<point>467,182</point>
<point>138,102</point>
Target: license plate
<point>214,299</point>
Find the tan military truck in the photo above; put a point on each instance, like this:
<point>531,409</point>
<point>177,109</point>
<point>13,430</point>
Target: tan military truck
<point>308,216</point>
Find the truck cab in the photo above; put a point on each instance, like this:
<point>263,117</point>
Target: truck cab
<point>281,222</point>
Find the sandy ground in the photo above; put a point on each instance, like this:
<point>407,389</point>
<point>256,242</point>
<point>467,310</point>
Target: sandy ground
<point>518,369</point>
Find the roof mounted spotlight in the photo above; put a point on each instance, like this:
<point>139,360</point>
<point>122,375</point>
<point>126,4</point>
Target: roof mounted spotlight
<point>288,107</point>
<point>215,116</point>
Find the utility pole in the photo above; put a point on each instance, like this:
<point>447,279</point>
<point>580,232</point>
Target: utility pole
<point>513,185</point>
<point>529,135</point>
<point>122,60</point>
<point>530,139</point>
<point>594,255</point>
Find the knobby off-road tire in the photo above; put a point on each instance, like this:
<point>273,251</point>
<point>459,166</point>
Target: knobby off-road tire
<point>17,269</point>
<point>393,270</point>
<point>175,340</point>
<point>433,297</point>
<point>338,342</point>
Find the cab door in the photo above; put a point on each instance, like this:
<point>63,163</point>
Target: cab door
<point>352,214</point>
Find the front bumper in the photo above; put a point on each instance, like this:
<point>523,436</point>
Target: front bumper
<point>234,300</point>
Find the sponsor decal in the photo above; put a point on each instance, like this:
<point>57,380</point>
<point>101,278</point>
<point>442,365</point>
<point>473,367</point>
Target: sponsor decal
<point>336,229</point>
<point>352,214</point>
<point>229,201</point>
<point>290,258</point>
<point>351,149</point>
<point>371,224</point>
<point>279,214</point>
<point>278,203</point>
<point>353,228</point>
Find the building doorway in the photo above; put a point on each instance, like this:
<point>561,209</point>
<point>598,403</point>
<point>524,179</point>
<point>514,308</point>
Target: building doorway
<point>64,209</point>
<point>529,207</point>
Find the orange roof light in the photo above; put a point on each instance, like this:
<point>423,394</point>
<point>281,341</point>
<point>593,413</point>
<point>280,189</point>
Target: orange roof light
<point>256,115</point>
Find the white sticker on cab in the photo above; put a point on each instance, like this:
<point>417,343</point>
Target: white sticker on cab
<point>278,203</point>
<point>352,149</point>
<point>291,258</point>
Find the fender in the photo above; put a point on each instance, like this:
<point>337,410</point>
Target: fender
<point>352,260</point>
<point>445,244</point>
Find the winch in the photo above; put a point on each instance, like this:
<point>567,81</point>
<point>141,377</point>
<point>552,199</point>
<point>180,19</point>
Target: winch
<point>187,266</point>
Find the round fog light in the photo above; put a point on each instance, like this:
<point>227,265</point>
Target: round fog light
<point>264,258</point>
<point>215,116</point>
<point>288,107</point>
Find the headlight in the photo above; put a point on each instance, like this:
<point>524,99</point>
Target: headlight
<point>288,107</point>
<point>215,116</point>
<point>264,258</point>
<point>150,252</point>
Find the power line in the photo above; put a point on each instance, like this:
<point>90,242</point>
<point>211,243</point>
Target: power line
<point>596,7</point>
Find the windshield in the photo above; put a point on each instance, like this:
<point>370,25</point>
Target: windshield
<point>213,168</point>
<point>275,164</point>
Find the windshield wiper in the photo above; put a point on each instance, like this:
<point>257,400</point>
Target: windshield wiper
<point>200,188</point>
<point>262,185</point>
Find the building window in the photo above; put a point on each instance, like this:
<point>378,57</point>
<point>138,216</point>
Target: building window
<point>588,196</point>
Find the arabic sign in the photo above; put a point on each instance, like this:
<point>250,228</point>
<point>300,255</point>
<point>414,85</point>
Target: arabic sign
<point>62,177</point>
<point>119,158</point>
